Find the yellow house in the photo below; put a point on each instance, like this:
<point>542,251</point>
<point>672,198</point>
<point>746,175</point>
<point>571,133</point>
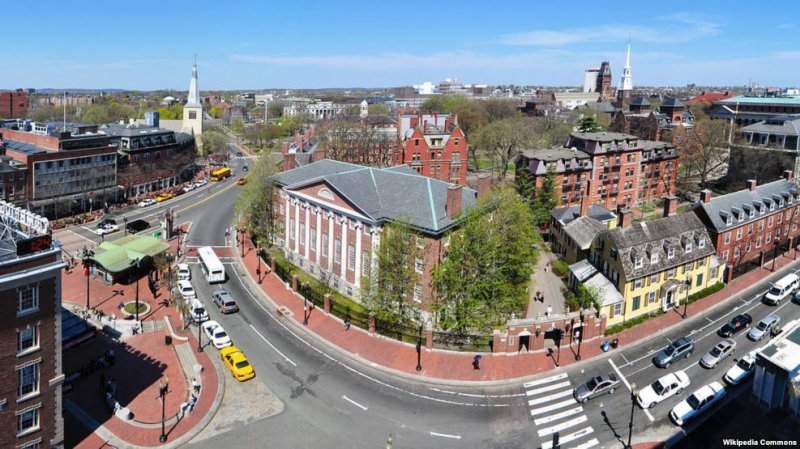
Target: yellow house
<point>654,265</point>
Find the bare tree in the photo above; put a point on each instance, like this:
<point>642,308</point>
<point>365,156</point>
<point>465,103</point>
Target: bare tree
<point>358,143</point>
<point>503,140</point>
<point>705,148</point>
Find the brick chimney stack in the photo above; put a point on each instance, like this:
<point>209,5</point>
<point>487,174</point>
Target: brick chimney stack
<point>484,185</point>
<point>289,162</point>
<point>585,198</point>
<point>670,206</point>
<point>705,196</point>
<point>625,218</point>
<point>788,175</point>
<point>751,185</point>
<point>453,205</point>
<point>285,148</point>
<point>298,141</point>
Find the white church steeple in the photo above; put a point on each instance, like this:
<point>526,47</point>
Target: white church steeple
<point>627,82</point>
<point>194,96</point>
<point>193,109</point>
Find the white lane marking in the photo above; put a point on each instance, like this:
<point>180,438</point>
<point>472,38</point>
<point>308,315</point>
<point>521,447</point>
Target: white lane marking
<point>530,393</point>
<point>557,416</point>
<point>551,407</point>
<point>649,353</point>
<point>272,346</point>
<point>472,395</point>
<point>551,397</point>
<point>624,358</point>
<point>354,403</point>
<point>545,380</point>
<point>710,320</point>
<point>564,425</point>
<point>591,443</point>
<point>445,435</point>
<point>625,381</point>
<point>639,370</point>
<point>667,338</point>
<point>571,437</point>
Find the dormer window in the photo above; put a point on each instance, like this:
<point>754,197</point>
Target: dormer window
<point>654,258</point>
<point>752,213</point>
<point>772,206</point>
<point>780,203</point>
<point>702,243</point>
<point>741,217</point>
<point>638,262</point>
<point>688,248</point>
<point>670,253</point>
<point>729,220</point>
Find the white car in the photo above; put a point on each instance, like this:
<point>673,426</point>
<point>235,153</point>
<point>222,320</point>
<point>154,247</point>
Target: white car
<point>184,274</point>
<point>219,338</point>
<point>742,370</point>
<point>670,385</point>
<point>201,183</point>
<point>186,289</point>
<point>189,188</point>
<point>199,313</point>
<point>107,229</point>
<point>147,202</point>
<point>698,402</point>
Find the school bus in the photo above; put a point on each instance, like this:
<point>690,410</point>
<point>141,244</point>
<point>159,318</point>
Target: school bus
<point>219,175</point>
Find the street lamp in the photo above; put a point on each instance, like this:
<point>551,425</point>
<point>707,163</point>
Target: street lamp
<point>137,262</point>
<point>199,335</point>
<point>125,219</point>
<point>688,284</point>
<point>634,393</point>
<point>163,389</point>
<point>419,349</point>
<point>258,258</point>
<point>304,288</point>
<point>86,255</point>
<point>580,338</point>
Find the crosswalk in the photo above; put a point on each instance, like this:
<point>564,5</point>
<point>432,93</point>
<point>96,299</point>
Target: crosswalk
<point>553,409</point>
<point>243,156</point>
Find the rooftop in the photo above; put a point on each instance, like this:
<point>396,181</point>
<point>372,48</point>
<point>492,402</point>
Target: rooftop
<point>784,351</point>
<point>788,124</point>
<point>604,136</point>
<point>554,154</point>
<point>116,129</point>
<point>742,99</point>
<point>567,214</point>
<point>740,203</point>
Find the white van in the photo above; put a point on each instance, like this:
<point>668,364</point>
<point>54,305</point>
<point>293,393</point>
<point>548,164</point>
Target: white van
<point>183,272</point>
<point>781,289</point>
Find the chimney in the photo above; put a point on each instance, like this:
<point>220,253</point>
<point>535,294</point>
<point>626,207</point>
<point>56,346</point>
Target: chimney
<point>484,185</point>
<point>705,196</point>
<point>586,197</point>
<point>670,206</point>
<point>751,185</point>
<point>453,205</point>
<point>311,131</point>
<point>625,218</point>
<point>285,148</point>
<point>298,141</point>
<point>788,175</point>
<point>289,162</point>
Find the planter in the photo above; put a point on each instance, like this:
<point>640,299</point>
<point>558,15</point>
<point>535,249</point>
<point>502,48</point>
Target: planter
<point>129,309</point>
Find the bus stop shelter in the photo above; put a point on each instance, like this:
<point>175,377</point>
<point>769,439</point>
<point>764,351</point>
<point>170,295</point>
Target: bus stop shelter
<point>118,259</point>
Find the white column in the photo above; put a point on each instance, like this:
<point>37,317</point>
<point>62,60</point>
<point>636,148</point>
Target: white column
<point>297,227</point>
<point>359,231</point>
<point>331,219</point>
<point>344,250</point>
<point>287,231</point>
<point>308,228</point>
<point>319,235</point>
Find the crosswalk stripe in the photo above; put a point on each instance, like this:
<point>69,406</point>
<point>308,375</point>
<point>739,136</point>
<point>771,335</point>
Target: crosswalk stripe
<point>591,443</point>
<point>534,383</point>
<point>564,425</point>
<point>547,388</point>
<point>557,416</point>
<point>551,397</point>
<point>551,407</point>
<point>567,438</point>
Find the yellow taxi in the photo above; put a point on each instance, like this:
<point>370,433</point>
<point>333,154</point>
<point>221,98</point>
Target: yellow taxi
<point>242,181</point>
<point>164,197</point>
<point>237,363</point>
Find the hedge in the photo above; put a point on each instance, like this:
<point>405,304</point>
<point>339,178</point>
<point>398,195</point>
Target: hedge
<point>561,268</point>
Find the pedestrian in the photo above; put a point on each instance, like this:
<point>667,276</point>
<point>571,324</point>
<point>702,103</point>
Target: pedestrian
<point>476,362</point>
<point>195,385</point>
<point>192,402</point>
<point>347,324</point>
<point>135,329</point>
<point>182,411</point>
<point>548,311</point>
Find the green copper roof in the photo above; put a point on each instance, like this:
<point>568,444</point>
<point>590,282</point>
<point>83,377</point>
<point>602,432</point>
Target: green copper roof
<point>741,99</point>
<point>117,256</point>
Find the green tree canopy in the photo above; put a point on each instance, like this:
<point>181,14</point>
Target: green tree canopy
<point>212,141</point>
<point>255,205</point>
<point>503,140</point>
<point>379,109</point>
<point>588,125</point>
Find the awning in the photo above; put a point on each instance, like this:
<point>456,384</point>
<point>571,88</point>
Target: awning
<point>118,256</point>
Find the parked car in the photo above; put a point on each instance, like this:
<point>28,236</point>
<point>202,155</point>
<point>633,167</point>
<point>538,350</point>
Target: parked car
<point>766,325</point>
<point>718,353</point>
<point>107,229</point>
<point>237,363</point>
<point>201,182</point>
<point>199,313</point>
<point>678,349</point>
<point>781,289</point>
<point>224,301</point>
<point>106,221</point>
<point>184,274</point>
<point>698,402</point>
<point>164,197</point>
<point>189,187</point>
<point>735,325</point>
<point>186,289</point>
<point>147,202</point>
<point>219,338</point>
<point>596,386</point>
<point>742,370</point>
<point>242,181</point>
<point>137,225</point>
<point>667,386</point>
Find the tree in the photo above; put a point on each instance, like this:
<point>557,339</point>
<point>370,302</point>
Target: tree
<point>587,297</point>
<point>705,148</point>
<point>358,143</point>
<point>551,130</point>
<point>257,205</point>
<point>212,142</point>
<point>503,140</point>
<point>442,103</point>
<point>379,109</point>
<point>523,182</point>
<point>588,125</point>
<point>500,108</point>
<point>484,277</point>
<point>545,199</point>
<point>215,112</point>
<point>275,110</point>
<point>394,276</point>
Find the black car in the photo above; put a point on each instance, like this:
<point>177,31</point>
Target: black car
<point>137,225</point>
<point>734,326</point>
<point>239,153</point>
<point>244,168</point>
<point>105,222</point>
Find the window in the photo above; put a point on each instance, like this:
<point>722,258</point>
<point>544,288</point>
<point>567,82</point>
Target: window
<point>670,253</point>
<point>653,278</point>
<point>325,245</point>
<point>417,292</point>
<point>713,273</point>
<point>351,257</point>
<point>736,252</point>
<point>302,235</point>
<point>729,221</point>
<point>28,420</point>
<point>616,310</point>
<point>27,339</point>
<point>639,262</point>
<point>651,298</point>
<point>654,258</point>
<point>671,273</point>
<point>769,221</point>
<point>688,247</point>
<point>750,229</point>
<point>613,253</point>
<point>726,253</point>
<point>637,283</point>
<point>702,243</point>
<point>337,251</point>
<point>27,300</point>
<point>636,303</point>
<point>291,229</point>
<point>768,237</point>
<point>419,265</point>
<point>455,141</point>
<point>760,225</point>
<point>365,265</point>
<point>747,247</point>
<point>313,239</point>
<point>699,281</point>
<point>727,237</point>
<point>28,379</point>
<point>192,115</point>
<point>420,242</point>
<point>738,234</point>
<point>758,242</point>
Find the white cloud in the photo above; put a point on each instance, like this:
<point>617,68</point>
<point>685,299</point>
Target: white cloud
<point>785,26</point>
<point>675,28</point>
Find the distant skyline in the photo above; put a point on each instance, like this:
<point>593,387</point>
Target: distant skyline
<point>149,45</point>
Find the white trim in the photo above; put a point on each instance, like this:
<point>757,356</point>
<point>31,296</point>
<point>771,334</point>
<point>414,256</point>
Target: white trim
<point>331,206</point>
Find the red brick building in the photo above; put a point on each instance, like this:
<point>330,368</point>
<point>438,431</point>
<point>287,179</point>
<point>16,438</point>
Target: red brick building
<point>748,226</point>
<point>31,333</point>
<point>14,104</point>
<point>436,153</point>
<point>624,170</point>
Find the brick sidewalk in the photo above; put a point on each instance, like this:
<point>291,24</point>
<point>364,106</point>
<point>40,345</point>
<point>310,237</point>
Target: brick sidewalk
<point>456,366</point>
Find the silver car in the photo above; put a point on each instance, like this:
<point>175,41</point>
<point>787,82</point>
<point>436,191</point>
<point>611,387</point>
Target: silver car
<point>596,386</point>
<point>767,324</point>
<point>718,353</point>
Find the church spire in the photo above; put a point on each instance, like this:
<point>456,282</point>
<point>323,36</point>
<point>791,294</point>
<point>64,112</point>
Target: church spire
<point>194,95</point>
<point>627,82</point>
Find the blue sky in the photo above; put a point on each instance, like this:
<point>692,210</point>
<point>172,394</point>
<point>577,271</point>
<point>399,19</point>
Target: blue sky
<point>300,44</point>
